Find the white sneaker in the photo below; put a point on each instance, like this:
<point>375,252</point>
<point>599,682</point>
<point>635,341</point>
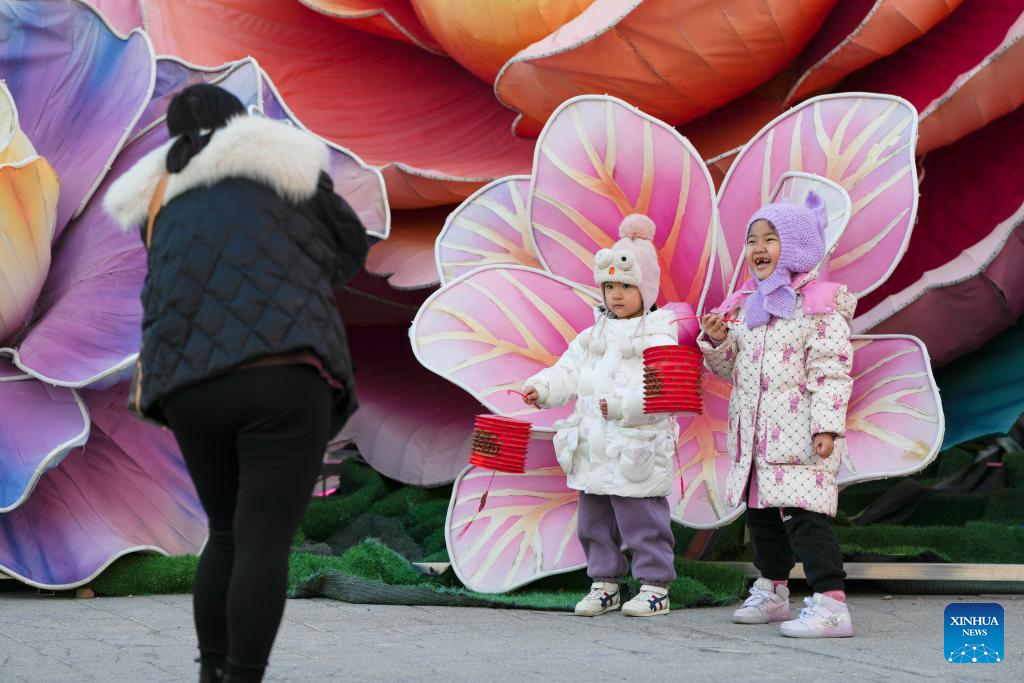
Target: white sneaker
<point>603,597</point>
<point>649,602</point>
<point>822,618</point>
<point>767,603</point>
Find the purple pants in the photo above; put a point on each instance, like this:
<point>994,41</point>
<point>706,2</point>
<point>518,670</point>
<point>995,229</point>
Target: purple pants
<point>643,523</point>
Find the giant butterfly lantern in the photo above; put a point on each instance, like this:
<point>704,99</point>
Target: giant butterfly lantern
<point>515,293</point>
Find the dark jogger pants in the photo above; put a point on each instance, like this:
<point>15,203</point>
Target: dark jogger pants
<point>778,532</point>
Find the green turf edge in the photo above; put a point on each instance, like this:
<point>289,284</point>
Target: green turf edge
<point>374,562</point>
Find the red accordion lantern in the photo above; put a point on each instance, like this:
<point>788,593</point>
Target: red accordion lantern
<point>500,443</point>
<point>672,380</point>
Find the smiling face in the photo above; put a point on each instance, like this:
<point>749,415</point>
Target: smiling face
<point>763,249</point>
<point>623,300</point>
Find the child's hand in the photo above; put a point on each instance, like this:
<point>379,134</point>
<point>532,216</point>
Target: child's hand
<point>530,396</point>
<point>713,325</point>
<point>823,444</point>
<point>604,409</point>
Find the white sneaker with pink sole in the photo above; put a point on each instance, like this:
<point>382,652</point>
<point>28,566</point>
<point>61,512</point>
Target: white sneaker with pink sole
<point>822,618</point>
<point>767,603</point>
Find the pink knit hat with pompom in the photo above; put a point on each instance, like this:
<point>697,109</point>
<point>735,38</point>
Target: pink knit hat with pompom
<point>632,260</point>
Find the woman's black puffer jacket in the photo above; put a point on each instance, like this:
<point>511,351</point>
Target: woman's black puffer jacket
<point>245,254</point>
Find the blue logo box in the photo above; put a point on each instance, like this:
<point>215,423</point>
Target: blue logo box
<point>974,633</point>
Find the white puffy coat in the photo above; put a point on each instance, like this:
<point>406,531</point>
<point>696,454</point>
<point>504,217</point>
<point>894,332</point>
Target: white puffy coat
<point>631,453</point>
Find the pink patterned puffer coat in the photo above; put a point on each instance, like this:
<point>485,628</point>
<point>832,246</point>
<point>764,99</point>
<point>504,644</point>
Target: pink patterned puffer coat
<point>791,380</point>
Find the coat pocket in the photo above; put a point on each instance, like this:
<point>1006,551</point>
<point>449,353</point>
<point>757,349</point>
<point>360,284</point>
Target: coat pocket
<point>566,441</point>
<point>832,463</point>
<point>638,459</point>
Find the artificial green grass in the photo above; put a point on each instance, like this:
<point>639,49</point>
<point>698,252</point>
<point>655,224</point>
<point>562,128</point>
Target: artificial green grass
<point>1014,464</point>
<point>371,559</point>
<point>147,575</point>
<point>363,490</point>
<point>159,575</point>
<point>979,542</point>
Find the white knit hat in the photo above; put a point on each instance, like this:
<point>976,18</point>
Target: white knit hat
<point>632,260</point>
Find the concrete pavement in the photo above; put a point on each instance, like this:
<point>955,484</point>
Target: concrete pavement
<point>58,638</point>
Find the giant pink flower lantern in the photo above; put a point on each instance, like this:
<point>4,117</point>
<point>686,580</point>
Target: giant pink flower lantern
<point>597,160</point>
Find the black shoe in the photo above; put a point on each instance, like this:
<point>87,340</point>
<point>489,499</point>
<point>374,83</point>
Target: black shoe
<point>242,674</point>
<point>210,672</point>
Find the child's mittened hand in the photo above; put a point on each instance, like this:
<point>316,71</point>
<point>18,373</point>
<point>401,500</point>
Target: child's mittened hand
<point>823,444</point>
<point>604,409</point>
<point>713,325</point>
<point>530,396</point>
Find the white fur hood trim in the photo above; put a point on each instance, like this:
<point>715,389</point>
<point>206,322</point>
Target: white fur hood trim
<point>284,157</point>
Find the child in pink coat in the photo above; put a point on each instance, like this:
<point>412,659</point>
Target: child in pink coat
<point>789,359</point>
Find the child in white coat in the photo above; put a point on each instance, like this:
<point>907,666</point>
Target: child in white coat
<point>789,358</point>
<point>618,457</point>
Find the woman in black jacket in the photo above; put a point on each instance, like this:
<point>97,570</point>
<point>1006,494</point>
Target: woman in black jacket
<point>244,355</point>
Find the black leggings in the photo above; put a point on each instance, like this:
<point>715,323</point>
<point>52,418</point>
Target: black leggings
<point>777,532</point>
<point>253,442</point>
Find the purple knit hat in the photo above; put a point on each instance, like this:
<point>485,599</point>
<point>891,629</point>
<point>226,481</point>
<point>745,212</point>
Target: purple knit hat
<point>801,229</point>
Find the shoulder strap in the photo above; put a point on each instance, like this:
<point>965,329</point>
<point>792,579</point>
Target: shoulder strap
<point>155,203</point>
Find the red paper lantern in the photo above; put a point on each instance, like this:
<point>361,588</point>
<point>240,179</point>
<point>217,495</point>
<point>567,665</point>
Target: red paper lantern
<point>672,380</point>
<point>500,443</point>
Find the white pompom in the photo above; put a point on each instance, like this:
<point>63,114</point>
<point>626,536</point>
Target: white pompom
<point>638,347</point>
<point>637,226</point>
<point>598,347</point>
<point>585,339</point>
<point>626,349</point>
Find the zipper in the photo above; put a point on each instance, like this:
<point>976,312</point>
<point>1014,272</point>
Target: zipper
<point>739,439</point>
<point>766,442</point>
<point>760,393</point>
